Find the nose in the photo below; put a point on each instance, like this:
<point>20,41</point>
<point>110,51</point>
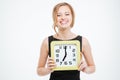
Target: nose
<point>63,17</point>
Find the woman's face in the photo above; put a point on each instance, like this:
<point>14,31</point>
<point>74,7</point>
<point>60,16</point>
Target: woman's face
<point>64,17</point>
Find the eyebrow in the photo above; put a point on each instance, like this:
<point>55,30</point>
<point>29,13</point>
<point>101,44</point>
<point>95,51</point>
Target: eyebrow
<point>65,12</point>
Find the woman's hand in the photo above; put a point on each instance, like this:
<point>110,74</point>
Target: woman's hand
<point>85,68</point>
<point>42,70</point>
<point>51,64</point>
<point>82,66</point>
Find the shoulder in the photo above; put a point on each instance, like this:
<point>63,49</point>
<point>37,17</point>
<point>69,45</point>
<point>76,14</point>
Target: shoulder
<point>85,43</point>
<point>45,42</point>
<point>44,45</point>
<point>85,40</point>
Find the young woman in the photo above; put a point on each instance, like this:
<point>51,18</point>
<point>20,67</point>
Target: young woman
<point>63,17</point>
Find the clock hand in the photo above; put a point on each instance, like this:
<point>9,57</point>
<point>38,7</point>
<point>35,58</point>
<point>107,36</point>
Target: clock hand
<point>65,53</point>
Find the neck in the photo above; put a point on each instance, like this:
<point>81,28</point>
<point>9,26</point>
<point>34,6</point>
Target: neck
<point>65,34</point>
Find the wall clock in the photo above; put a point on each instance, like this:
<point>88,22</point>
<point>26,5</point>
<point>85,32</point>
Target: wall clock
<point>66,54</point>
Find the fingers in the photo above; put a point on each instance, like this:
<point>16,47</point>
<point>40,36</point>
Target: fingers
<point>51,64</point>
<point>82,66</point>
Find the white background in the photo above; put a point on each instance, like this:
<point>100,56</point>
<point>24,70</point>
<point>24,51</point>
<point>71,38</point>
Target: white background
<point>25,23</point>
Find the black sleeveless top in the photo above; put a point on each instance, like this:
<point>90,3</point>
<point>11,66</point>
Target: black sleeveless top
<point>68,74</point>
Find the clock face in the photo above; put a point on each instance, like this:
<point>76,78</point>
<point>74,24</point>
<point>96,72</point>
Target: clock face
<point>66,54</point>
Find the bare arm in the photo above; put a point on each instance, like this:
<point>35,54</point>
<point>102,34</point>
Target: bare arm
<point>41,69</point>
<point>88,65</point>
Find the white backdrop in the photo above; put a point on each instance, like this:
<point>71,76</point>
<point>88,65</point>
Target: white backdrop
<point>25,23</point>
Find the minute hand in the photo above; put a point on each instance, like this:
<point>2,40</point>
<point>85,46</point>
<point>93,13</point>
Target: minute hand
<point>65,53</point>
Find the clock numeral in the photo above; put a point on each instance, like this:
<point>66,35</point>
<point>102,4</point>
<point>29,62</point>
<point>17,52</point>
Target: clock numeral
<point>74,59</point>
<point>70,62</point>
<point>73,50</point>
<point>60,63</point>
<point>57,55</point>
<point>60,47</point>
<point>57,50</point>
<point>65,63</point>
<point>69,47</point>
<point>73,54</point>
<point>65,47</point>
<point>57,60</point>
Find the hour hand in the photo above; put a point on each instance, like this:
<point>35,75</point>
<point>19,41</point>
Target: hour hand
<point>65,47</point>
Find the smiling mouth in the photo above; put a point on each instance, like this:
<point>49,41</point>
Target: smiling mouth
<point>63,22</point>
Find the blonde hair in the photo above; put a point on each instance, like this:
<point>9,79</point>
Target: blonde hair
<point>55,10</point>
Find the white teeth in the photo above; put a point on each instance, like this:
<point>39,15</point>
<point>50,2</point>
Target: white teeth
<point>64,22</point>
